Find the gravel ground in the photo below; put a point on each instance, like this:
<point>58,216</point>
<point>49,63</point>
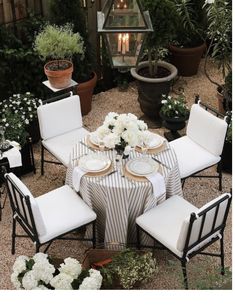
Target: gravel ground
<point>197,191</point>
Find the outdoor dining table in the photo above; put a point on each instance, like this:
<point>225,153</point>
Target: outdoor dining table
<point>118,200</point>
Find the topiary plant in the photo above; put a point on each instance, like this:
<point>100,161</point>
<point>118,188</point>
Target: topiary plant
<point>163,16</point>
<point>73,13</point>
<point>58,43</point>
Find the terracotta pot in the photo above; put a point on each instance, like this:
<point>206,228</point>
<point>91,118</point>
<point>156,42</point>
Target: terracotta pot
<point>59,78</point>
<point>150,90</point>
<point>85,92</point>
<point>187,60</point>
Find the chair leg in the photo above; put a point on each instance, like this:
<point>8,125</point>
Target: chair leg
<point>183,265</point>
<point>37,247</point>
<point>219,168</point>
<point>183,182</point>
<point>93,235</point>
<point>222,254</point>
<point>137,237</point>
<point>13,236</point>
<point>42,160</point>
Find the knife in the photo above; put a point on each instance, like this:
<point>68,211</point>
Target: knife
<point>84,144</point>
<point>161,163</point>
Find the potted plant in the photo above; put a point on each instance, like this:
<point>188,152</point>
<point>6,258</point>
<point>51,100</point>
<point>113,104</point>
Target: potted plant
<point>153,75</point>
<point>189,45</point>
<point>174,114</point>
<point>84,67</point>
<point>219,14</point>
<point>60,44</point>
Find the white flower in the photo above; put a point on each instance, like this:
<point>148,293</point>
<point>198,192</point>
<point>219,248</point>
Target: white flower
<point>71,267</point>
<point>130,138</point>
<point>93,282</point>
<point>142,125</point>
<point>127,150</point>
<point>15,281</point>
<point>43,271</point>
<point>111,140</point>
<point>39,257</point>
<point>26,121</point>
<point>41,287</point>
<point>20,264</point>
<point>164,101</point>
<point>102,131</point>
<point>62,281</point>
<point>29,281</point>
<point>110,116</point>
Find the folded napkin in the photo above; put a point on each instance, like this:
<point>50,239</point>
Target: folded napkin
<point>76,177</point>
<point>14,157</point>
<point>158,183</point>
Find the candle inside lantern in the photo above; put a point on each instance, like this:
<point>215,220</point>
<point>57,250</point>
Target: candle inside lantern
<point>124,44</point>
<point>119,42</point>
<point>127,42</point>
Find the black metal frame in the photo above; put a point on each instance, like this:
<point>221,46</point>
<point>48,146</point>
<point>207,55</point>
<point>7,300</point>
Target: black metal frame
<point>219,164</point>
<point>28,223</point>
<point>185,257</point>
<point>43,160</point>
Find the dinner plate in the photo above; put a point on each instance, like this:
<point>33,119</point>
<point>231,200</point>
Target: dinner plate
<point>94,162</point>
<point>94,139</point>
<point>155,141</point>
<point>142,166</point>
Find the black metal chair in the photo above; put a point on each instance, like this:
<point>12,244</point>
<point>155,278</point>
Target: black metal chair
<point>61,127</point>
<point>184,230</point>
<point>49,216</point>
<point>202,146</point>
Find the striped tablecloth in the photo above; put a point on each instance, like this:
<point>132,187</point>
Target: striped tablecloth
<point>117,200</point>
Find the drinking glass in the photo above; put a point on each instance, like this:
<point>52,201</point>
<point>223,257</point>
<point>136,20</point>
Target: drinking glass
<point>101,146</point>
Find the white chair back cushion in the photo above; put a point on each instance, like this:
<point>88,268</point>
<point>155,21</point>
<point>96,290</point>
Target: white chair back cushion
<point>59,117</point>
<point>39,223</point>
<point>207,225</point>
<point>206,130</point>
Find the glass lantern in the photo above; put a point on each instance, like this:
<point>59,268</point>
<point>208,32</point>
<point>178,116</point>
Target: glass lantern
<point>124,26</point>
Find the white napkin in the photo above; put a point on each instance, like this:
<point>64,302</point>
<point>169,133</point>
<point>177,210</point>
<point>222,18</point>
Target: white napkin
<point>158,183</point>
<point>14,157</point>
<point>76,177</point>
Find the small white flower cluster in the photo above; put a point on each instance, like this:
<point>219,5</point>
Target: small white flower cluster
<point>38,274</point>
<point>124,130</point>
<point>23,105</point>
<point>32,273</point>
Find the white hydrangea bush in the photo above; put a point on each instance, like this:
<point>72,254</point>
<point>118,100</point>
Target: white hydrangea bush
<point>37,273</point>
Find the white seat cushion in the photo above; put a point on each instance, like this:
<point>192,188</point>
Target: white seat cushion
<point>62,145</point>
<point>191,156</point>
<point>63,210</point>
<point>59,117</point>
<point>165,220</point>
<point>206,130</point>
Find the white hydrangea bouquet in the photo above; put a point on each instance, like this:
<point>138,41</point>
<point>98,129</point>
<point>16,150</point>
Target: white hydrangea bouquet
<point>38,273</point>
<point>121,132</point>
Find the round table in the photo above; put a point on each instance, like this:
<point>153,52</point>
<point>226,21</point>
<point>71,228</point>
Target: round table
<point>118,200</point>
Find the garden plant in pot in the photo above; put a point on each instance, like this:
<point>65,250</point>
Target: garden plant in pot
<point>189,44</point>
<point>60,44</point>
<point>219,33</point>
<point>155,76</point>
<point>84,67</point>
<point>174,114</point>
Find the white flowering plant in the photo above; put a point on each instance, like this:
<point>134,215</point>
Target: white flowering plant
<point>16,113</point>
<point>120,131</point>
<point>38,273</point>
<point>174,107</point>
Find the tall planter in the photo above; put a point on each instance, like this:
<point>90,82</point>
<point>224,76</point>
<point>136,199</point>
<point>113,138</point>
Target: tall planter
<point>174,125</point>
<point>85,92</point>
<point>186,60</point>
<point>227,157</point>
<point>150,90</point>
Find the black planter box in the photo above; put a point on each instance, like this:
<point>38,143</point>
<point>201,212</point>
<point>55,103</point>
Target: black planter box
<point>227,157</point>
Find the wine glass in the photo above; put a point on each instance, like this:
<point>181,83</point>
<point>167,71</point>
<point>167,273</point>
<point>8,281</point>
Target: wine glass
<point>144,148</point>
<point>101,145</point>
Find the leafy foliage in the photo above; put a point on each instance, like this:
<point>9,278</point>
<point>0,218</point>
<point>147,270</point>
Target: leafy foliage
<point>164,18</point>
<point>73,13</point>
<point>58,42</point>
<point>191,25</point>
<point>20,68</point>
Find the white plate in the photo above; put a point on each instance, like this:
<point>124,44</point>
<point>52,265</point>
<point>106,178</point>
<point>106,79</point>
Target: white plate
<point>142,166</point>
<point>94,139</point>
<point>156,140</point>
<point>94,163</point>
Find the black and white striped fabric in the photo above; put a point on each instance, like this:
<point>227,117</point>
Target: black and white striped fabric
<point>117,200</point>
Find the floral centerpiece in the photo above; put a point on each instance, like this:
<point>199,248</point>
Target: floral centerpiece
<point>121,132</point>
<point>16,114</point>
<point>38,273</point>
